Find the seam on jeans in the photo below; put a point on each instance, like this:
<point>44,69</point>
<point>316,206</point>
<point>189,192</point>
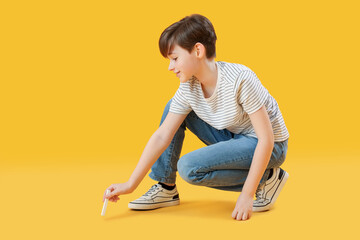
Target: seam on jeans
<point>171,155</point>
<point>162,179</point>
<point>227,162</point>
<point>276,161</point>
<point>209,183</point>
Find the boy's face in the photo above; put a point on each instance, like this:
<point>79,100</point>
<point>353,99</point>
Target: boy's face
<point>182,63</point>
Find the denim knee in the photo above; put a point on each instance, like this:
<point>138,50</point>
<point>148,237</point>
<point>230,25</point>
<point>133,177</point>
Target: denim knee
<point>188,172</point>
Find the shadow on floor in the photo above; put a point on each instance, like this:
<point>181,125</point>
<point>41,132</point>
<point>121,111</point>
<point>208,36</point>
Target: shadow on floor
<point>198,208</point>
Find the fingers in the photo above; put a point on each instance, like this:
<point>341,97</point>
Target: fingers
<point>113,195</point>
<point>234,213</point>
<point>115,191</point>
<point>239,215</point>
<point>108,196</point>
<point>114,199</point>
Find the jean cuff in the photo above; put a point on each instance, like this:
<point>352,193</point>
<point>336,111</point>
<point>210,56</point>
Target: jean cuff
<point>162,179</point>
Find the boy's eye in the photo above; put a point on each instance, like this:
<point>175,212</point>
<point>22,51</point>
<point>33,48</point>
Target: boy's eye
<point>175,59</point>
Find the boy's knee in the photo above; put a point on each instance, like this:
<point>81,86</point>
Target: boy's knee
<point>188,171</point>
<point>183,168</point>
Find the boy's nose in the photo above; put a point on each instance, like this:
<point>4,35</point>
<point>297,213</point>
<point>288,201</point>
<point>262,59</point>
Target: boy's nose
<point>171,67</point>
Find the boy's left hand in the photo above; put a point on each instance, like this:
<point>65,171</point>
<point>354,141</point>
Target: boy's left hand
<point>243,208</point>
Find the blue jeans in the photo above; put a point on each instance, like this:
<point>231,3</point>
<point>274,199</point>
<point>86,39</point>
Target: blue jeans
<point>223,164</point>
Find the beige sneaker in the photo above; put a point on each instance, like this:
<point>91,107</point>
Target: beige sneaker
<point>156,197</point>
<point>269,192</point>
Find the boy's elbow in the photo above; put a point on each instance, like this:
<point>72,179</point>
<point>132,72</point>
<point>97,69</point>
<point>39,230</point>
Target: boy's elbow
<point>268,139</point>
<point>162,136</point>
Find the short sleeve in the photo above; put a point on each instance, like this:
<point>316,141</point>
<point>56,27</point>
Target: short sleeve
<point>179,103</point>
<point>251,93</point>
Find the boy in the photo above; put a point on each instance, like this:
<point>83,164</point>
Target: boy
<point>227,108</point>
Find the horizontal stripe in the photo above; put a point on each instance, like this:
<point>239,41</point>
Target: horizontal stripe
<point>238,93</point>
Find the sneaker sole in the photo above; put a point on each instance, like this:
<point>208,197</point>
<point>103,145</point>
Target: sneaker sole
<point>276,195</point>
<point>147,206</point>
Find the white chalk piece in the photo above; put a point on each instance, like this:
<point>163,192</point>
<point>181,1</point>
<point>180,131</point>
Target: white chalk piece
<point>105,203</point>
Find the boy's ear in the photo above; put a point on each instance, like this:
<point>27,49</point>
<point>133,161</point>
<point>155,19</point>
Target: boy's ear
<point>199,50</point>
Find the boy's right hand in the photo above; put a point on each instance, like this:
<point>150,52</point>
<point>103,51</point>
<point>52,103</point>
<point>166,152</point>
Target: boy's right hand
<point>116,190</point>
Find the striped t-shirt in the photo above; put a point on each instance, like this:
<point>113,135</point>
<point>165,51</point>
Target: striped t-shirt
<point>238,93</point>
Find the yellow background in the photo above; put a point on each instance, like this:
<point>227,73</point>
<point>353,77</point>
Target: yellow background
<point>83,87</point>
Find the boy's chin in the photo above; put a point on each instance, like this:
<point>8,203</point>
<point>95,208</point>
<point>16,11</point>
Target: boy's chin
<point>183,80</point>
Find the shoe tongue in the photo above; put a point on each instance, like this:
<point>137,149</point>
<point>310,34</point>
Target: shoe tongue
<point>156,186</point>
<point>271,173</point>
<point>151,189</point>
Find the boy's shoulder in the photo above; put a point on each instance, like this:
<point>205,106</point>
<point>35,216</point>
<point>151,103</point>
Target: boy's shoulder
<point>231,71</point>
<point>235,66</point>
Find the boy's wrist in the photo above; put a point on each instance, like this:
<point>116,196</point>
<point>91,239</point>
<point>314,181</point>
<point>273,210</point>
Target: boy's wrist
<point>131,185</point>
<point>247,194</point>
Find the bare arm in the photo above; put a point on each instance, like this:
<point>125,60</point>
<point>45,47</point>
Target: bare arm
<point>156,145</point>
<point>263,129</point>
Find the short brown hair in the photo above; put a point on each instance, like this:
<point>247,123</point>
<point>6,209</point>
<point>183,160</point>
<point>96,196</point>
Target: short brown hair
<point>186,33</point>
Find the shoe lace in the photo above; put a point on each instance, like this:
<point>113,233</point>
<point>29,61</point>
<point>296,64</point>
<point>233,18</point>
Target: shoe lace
<point>151,190</point>
<point>258,193</point>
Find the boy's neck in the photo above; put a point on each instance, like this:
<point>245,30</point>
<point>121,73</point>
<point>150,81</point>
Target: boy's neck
<point>207,74</point>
